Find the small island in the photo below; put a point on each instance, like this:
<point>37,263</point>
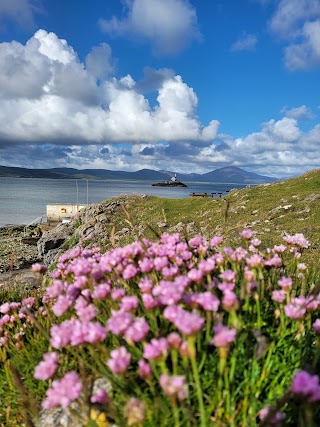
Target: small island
<point>173,182</point>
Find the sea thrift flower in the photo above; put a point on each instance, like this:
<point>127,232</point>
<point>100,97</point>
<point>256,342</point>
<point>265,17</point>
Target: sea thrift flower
<point>228,276</point>
<point>118,294</point>
<point>149,302</point>
<point>246,234</point>
<point>255,242</point>
<point>119,361</point>
<point>27,302</point>
<point>294,311</point>
<point>119,322</point>
<point>255,261</point>
<point>129,272</point>
<point>316,326</point>
<point>62,304</point>
<point>101,397</point>
<point>274,261</point>
<point>47,367</point>
<point>145,285</point>
<point>101,291</point>
<point>137,331</point>
<point>5,308</point>
<point>174,340</point>
<point>134,411</point>
<point>38,268</point>
<point>129,303</point>
<point>174,386</point>
<point>278,296</point>
<point>276,418</point>
<point>156,348</point>
<point>230,301</point>
<point>87,313</point>
<point>306,385</point>
<point>297,240</point>
<point>215,241</point>
<point>285,283</point>
<point>144,370</point>
<point>63,391</point>
<point>224,336</point>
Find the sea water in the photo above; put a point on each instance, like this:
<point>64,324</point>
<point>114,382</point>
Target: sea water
<point>23,200</point>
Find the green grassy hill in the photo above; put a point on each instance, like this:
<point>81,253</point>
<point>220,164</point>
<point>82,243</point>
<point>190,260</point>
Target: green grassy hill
<point>270,210</point>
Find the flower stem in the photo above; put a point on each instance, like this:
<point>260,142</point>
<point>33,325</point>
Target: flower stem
<point>196,377</point>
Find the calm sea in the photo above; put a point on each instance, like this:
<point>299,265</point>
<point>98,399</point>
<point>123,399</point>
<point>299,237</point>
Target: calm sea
<point>22,200</point>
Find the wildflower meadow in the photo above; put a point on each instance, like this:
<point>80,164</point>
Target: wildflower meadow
<point>178,332</point>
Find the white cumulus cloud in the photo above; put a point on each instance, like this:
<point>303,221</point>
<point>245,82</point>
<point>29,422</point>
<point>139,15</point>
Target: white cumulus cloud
<point>48,95</point>
<point>297,22</point>
<point>169,25</point>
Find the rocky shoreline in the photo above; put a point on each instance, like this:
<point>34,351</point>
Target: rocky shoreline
<point>22,246</point>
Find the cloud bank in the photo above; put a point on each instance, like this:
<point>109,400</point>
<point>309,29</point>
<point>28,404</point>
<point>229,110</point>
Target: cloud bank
<point>58,111</point>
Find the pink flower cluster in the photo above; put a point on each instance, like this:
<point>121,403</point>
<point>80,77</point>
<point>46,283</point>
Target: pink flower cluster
<point>64,391</point>
<point>306,386</point>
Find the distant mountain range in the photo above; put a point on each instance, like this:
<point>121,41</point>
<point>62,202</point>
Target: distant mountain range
<point>228,175</point>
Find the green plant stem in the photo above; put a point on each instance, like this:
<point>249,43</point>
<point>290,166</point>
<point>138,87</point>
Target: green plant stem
<point>195,372</point>
<point>175,413</point>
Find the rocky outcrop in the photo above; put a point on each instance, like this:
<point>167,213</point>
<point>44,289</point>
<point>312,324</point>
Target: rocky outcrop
<point>54,238</point>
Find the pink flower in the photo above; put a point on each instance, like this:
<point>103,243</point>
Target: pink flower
<point>119,361</point>
<point>5,308</point>
<point>117,294</point>
<point>101,291</point>
<point>294,311</point>
<point>255,261</point>
<point>306,386</point>
<point>174,386</point>
<point>174,340</point>
<point>129,272</point>
<point>256,243</point>
<point>87,313</point>
<point>63,391</point>
<point>38,268</point>
<point>224,336</point>
<point>145,370</point>
<point>316,326</point>
<point>134,411</point>
<point>119,322</point>
<point>129,303</point>
<point>137,331</point>
<point>276,419</point>
<point>101,396</point>
<point>230,301</point>
<point>156,348</point>
<point>246,234</point>
<point>47,367</point>
<point>228,276</point>
<point>279,296</point>
<point>279,249</point>
<point>62,304</point>
<point>297,240</point>
<point>145,285</point>
<point>149,302</point>
<point>285,283</point>
<point>215,241</point>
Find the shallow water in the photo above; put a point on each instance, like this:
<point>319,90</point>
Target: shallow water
<point>22,200</point>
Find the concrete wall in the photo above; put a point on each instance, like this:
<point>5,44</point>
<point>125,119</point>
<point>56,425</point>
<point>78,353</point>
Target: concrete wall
<point>57,212</point>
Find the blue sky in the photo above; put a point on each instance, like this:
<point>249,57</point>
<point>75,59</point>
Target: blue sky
<point>181,85</point>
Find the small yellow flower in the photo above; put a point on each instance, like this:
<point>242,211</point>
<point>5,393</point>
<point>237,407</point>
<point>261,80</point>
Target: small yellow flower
<point>99,418</point>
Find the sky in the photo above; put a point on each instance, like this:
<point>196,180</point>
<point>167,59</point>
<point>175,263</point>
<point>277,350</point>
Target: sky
<point>178,85</point>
